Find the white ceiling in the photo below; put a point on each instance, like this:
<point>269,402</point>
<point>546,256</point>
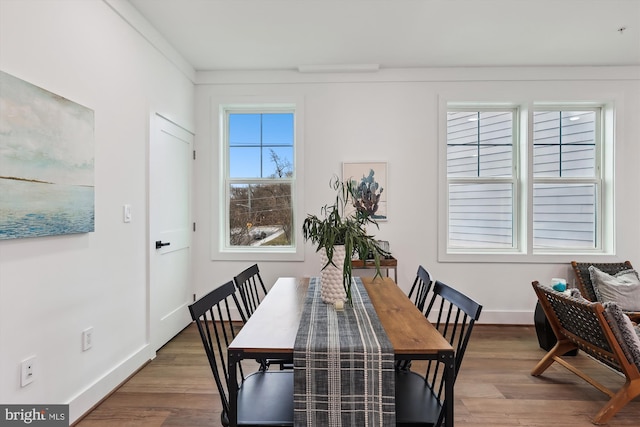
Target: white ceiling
<point>285,34</point>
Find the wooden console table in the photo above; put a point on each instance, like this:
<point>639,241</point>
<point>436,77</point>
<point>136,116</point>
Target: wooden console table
<point>385,263</point>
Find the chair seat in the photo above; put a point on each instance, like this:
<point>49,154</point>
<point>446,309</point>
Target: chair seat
<point>255,410</point>
<point>415,402</point>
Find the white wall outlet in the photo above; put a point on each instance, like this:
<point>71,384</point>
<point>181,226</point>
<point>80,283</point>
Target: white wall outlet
<point>27,371</point>
<point>87,339</point>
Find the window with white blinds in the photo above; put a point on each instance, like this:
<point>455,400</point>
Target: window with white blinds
<point>488,182</point>
<point>566,179</point>
<point>481,179</point>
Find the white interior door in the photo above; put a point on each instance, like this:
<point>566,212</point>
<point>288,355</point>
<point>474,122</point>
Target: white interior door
<point>170,228</point>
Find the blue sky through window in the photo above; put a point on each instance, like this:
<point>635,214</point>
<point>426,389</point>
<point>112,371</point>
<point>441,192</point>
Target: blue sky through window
<point>252,137</point>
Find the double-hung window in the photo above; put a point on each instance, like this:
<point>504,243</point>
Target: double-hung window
<point>258,180</point>
<point>481,179</point>
<point>567,180</point>
<point>525,180</point>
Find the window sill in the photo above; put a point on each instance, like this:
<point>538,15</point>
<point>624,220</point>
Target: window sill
<point>258,255</point>
<point>547,258</point>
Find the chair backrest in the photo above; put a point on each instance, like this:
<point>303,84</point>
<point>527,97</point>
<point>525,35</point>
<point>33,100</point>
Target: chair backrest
<point>583,277</point>
<point>251,288</point>
<point>580,321</point>
<point>421,286</point>
<point>454,315</point>
<point>212,316</point>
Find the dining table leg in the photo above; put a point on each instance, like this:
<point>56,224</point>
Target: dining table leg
<point>233,360</point>
<point>450,378</point>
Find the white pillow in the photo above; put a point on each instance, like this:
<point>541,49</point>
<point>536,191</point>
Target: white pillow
<point>625,332</point>
<point>622,289</point>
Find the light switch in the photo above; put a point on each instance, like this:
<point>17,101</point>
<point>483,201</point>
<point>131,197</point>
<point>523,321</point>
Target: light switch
<point>126,213</point>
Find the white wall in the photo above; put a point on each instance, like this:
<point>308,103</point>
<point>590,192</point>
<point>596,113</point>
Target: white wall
<point>392,116</point>
<point>52,288</point>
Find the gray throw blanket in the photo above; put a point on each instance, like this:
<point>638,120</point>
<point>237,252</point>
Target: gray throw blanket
<point>343,364</point>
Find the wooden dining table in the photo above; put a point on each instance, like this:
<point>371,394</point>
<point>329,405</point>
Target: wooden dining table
<point>271,331</point>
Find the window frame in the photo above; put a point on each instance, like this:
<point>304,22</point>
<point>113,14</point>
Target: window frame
<point>513,180</point>
<point>220,247</point>
<point>523,250</point>
<point>597,179</point>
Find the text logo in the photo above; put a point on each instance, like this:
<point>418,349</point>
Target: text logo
<point>34,415</point>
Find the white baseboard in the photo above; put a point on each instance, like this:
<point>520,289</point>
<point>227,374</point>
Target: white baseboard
<point>524,317</point>
<point>102,387</point>
<point>506,317</point>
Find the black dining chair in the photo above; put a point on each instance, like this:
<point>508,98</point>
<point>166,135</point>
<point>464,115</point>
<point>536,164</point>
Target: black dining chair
<point>265,398</point>
<point>421,286</point>
<point>252,291</point>
<point>420,398</point>
<point>251,288</point>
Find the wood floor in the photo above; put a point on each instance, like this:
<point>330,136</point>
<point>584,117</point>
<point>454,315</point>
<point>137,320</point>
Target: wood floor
<point>494,387</point>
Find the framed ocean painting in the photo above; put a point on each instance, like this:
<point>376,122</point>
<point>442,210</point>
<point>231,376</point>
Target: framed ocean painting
<point>46,162</point>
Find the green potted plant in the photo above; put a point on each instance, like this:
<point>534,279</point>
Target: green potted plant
<point>341,230</point>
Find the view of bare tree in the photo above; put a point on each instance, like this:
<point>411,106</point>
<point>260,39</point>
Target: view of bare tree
<point>261,209</point>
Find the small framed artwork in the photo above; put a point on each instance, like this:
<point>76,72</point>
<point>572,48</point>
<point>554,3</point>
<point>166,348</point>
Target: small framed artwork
<point>370,182</point>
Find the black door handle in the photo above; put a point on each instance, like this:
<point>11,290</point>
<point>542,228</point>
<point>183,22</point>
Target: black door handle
<point>159,244</point>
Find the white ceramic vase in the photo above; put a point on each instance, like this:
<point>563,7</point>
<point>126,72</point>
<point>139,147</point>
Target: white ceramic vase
<point>331,278</point>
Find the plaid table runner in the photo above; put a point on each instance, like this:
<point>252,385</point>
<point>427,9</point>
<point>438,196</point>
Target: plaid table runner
<point>343,364</point>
